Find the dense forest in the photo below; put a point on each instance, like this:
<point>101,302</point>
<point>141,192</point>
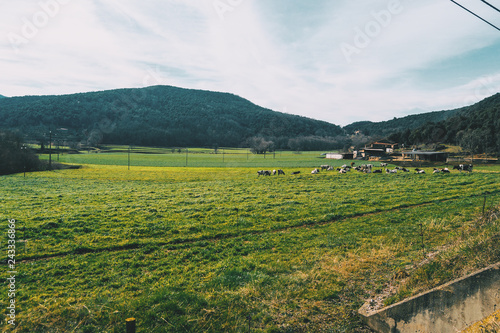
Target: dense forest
<point>475,128</point>
<point>176,117</point>
<point>164,116</point>
<point>386,128</point>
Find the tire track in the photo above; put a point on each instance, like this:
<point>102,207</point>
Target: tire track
<point>180,243</point>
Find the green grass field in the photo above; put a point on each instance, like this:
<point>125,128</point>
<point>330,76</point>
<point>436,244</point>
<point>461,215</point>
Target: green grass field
<point>207,248</point>
<point>227,158</point>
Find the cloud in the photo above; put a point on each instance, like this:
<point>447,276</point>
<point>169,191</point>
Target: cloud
<point>406,55</point>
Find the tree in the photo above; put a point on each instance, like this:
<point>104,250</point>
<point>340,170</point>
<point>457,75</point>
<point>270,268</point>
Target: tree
<point>259,145</point>
<point>14,156</point>
<point>473,141</point>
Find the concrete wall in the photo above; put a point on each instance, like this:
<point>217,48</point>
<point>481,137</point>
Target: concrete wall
<point>449,308</point>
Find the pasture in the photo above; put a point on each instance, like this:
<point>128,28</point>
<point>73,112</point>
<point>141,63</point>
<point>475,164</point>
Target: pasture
<point>158,157</point>
<point>220,249</point>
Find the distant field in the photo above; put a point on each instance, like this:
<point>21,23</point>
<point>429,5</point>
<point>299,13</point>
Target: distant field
<point>197,158</point>
<point>220,249</point>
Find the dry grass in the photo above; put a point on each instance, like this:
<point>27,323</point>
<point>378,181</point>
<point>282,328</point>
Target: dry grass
<point>490,324</point>
<point>475,248</point>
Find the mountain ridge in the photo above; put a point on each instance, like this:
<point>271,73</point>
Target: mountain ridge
<point>387,127</point>
<point>180,117</point>
<point>475,128</point>
<point>159,115</point>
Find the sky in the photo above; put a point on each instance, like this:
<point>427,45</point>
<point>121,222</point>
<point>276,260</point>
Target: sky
<point>339,61</point>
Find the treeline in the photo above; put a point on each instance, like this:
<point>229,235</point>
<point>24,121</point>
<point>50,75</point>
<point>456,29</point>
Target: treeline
<point>176,117</point>
<point>15,157</point>
<point>159,116</point>
<point>386,128</point>
<point>475,128</point>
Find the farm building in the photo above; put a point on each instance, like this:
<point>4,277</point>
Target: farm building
<point>388,147</point>
<point>378,149</point>
<point>377,152</point>
<point>340,156</point>
<point>430,156</point>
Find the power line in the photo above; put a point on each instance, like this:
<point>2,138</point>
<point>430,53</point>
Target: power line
<point>489,4</point>
<point>479,17</point>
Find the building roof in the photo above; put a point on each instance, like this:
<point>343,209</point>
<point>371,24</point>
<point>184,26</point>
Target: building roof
<point>418,152</point>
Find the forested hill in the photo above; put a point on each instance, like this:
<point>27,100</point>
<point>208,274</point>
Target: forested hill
<point>386,128</point>
<point>475,128</point>
<point>158,116</point>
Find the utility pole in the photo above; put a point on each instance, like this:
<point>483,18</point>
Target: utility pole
<point>50,150</point>
<point>129,157</point>
<point>23,148</point>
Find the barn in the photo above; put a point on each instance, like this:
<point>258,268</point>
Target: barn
<point>340,156</point>
<point>427,156</point>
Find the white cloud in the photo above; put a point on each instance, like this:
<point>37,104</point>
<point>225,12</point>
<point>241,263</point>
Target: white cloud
<point>281,54</point>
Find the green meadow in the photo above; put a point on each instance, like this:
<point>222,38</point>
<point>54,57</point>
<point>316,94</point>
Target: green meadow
<point>213,247</point>
<point>158,157</point>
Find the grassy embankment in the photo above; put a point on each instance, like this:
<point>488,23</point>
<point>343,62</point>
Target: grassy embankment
<point>221,249</point>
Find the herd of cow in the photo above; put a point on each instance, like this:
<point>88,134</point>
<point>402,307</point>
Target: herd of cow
<point>367,168</point>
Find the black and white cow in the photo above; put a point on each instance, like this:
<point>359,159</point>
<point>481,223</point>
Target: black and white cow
<point>463,167</point>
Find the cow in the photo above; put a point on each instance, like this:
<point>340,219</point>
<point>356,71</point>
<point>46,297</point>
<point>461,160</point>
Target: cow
<point>264,173</point>
<point>382,165</point>
<point>445,170</point>
<point>295,172</point>
<point>324,167</point>
<point>419,171</point>
<point>315,171</point>
<point>281,172</point>
<point>463,167</point>
<point>366,168</point>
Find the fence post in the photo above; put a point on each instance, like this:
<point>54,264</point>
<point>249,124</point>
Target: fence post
<point>422,235</point>
<point>130,325</point>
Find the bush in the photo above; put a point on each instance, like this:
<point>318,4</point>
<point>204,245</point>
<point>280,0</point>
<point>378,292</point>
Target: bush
<point>15,157</point>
